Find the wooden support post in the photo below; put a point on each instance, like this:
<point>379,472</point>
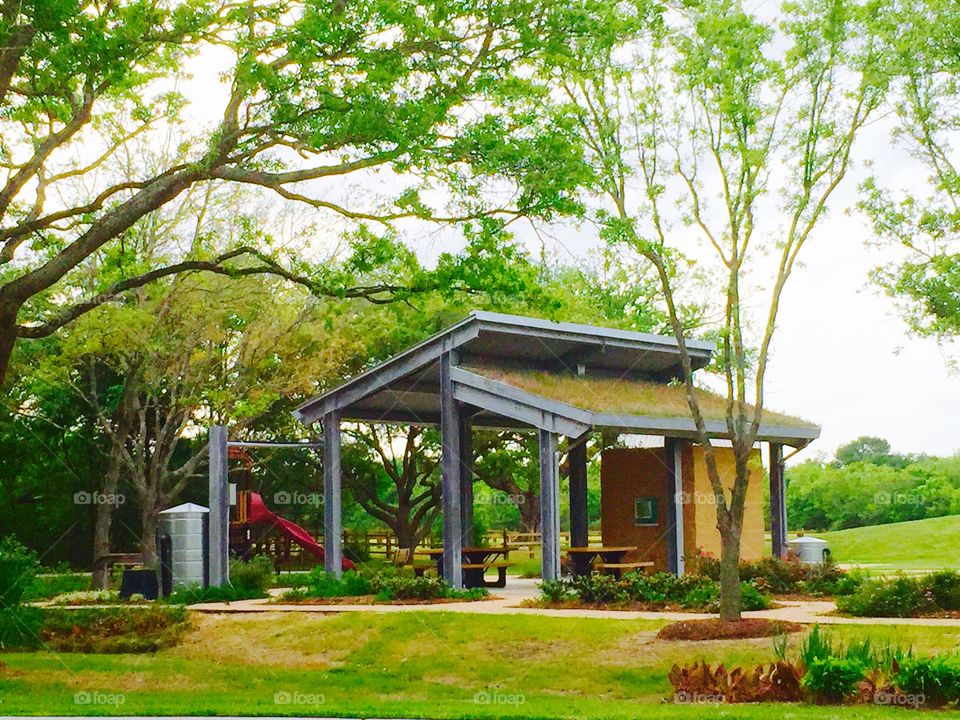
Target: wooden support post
<point>579,520</point>
<point>450,476</point>
<point>676,499</point>
<point>466,480</point>
<point>549,506</point>
<point>332,512</point>
<point>218,545</point>
<point>778,504</point>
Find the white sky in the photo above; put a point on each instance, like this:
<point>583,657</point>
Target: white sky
<point>842,357</point>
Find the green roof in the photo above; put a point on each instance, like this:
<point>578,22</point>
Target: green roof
<point>624,396</point>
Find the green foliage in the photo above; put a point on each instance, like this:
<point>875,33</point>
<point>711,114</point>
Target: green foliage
<point>321,584</point>
<point>255,576</point>
<point>936,678</point>
<point>944,588</point>
<point>113,630</point>
<point>691,591</point>
<point>45,587</point>
<point>195,594</point>
<point>833,678</point>
<point>887,489</point>
<point>20,627</point>
<point>897,597</point>
<point>426,587</point>
<point>18,569</point>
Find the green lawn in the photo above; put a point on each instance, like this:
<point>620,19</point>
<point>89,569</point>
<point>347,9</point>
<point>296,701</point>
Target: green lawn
<point>917,545</point>
<point>407,665</point>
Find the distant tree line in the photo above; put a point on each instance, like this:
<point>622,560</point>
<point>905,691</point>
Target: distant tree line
<point>867,484</point>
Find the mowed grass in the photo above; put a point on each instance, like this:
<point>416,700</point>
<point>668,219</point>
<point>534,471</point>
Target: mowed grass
<point>436,665</point>
<point>912,546</point>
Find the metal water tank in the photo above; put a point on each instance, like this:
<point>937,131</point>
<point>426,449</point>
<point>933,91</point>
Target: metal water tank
<point>810,550</point>
<point>186,527</point>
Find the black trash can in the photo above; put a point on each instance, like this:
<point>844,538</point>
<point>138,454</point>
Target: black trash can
<point>139,582</point>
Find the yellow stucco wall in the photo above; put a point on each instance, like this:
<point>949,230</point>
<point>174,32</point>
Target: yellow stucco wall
<point>706,535</point>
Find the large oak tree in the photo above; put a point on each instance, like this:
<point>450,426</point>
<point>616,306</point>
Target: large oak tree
<point>437,96</point>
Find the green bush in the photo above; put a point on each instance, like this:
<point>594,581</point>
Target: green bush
<point>113,630</point>
<point>556,591</point>
<point>194,594</point>
<point>405,587</point>
<point>600,588</point>
<point>898,597</point>
<point>320,584</point>
<point>20,627</point>
<point>751,598</point>
<point>45,587</point>
<point>937,678</point>
<point>780,576</point>
<point>833,678</point>
<point>254,576</point>
<point>18,570</point>
<point>944,588</point>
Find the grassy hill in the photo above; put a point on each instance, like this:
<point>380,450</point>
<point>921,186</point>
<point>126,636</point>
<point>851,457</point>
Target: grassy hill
<point>915,545</point>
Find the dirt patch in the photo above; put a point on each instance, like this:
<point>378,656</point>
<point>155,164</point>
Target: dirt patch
<point>716,629</point>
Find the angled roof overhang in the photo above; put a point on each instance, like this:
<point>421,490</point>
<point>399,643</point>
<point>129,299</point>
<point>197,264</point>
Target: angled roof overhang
<point>406,388</point>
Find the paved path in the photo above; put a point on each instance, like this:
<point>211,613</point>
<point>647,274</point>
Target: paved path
<point>507,600</point>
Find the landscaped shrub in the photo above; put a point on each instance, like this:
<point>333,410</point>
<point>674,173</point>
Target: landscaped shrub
<point>20,627</point>
<point>193,594</point>
<point>699,683</point>
<point>254,576</point>
<point>689,591</point>
<point>45,587</point>
<point>556,591</point>
<point>405,587</point>
<point>18,569</point>
<point>321,584</point>
<point>778,576</point>
<point>832,678</point>
<point>600,588</point>
<point>937,678</point>
<point>898,597</point>
<point>944,588</point>
<point>113,630</point>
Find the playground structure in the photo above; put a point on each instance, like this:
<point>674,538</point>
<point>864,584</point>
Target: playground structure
<point>246,526</point>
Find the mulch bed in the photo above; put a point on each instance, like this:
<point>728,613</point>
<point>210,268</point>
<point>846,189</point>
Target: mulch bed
<point>717,629</point>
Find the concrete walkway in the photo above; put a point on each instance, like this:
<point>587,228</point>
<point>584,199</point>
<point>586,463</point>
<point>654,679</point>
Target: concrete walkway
<point>506,601</point>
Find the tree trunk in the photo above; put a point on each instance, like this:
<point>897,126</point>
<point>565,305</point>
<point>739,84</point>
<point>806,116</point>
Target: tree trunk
<point>530,512</point>
<point>8,337</point>
<point>730,571</point>
<point>148,538</point>
<point>101,529</point>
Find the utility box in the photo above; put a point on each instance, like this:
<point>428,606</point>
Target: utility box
<point>182,532</point>
<point>810,550</point>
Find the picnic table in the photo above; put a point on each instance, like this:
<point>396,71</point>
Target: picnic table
<point>476,561</point>
<point>583,560</point>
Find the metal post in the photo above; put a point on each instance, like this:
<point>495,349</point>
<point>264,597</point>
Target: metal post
<point>450,477</point>
<point>466,480</point>
<point>579,520</point>
<point>218,547</point>
<point>332,518</point>
<point>673,457</point>
<point>549,506</point>
<point>778,505</point>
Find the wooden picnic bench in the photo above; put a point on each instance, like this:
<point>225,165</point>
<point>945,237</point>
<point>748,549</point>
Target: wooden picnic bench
<point>584,560</point>
<point>476,562</point>
<point>404,557</point>
<point>127,561</point>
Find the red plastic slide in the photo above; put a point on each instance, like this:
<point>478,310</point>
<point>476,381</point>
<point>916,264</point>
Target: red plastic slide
<point>260,515</point>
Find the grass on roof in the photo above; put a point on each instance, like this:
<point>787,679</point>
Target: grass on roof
<point>623,396</point>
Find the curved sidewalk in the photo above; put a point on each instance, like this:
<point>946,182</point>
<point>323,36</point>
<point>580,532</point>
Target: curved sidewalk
<point>507,601</point>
